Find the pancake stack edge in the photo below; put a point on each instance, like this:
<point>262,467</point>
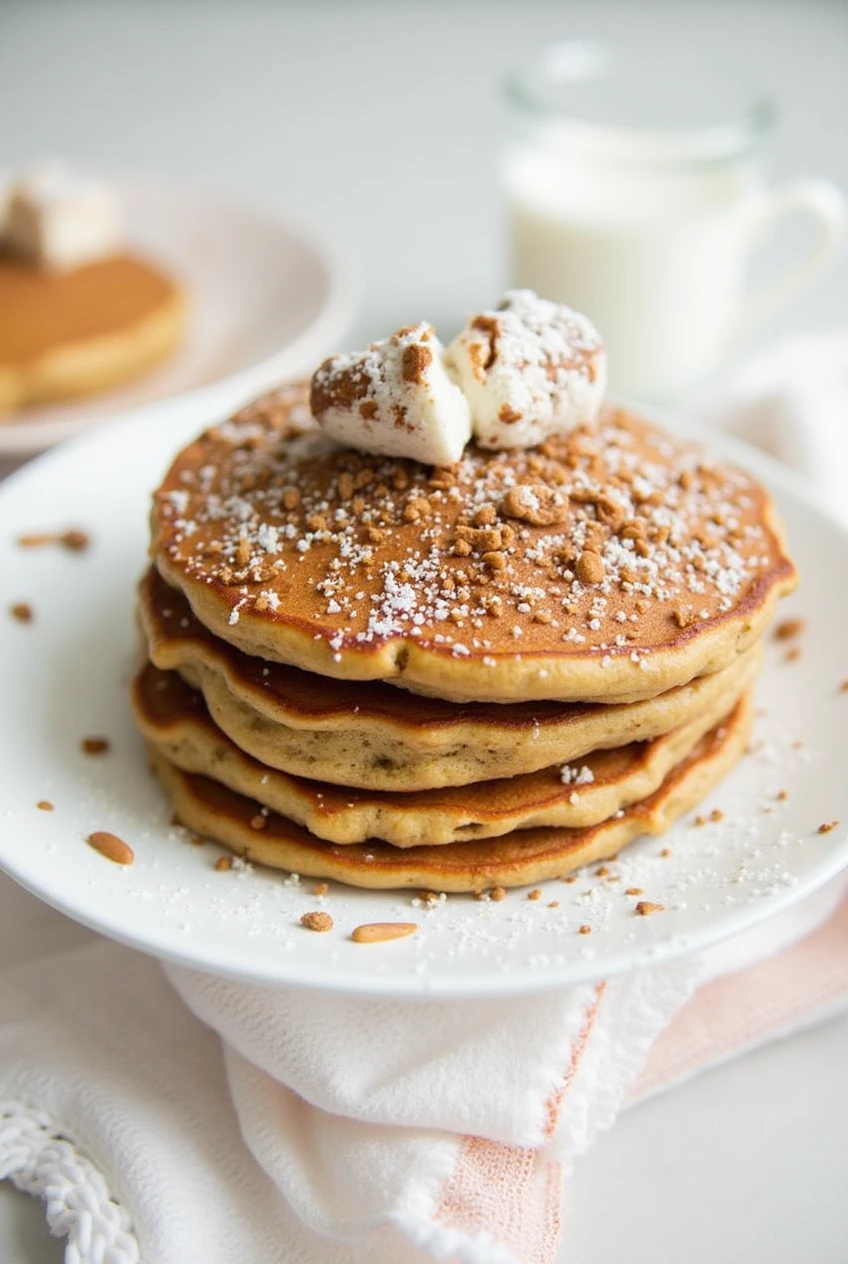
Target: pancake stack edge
<point>488,675</point>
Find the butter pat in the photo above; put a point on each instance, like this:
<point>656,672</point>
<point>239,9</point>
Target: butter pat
<point>58,219</point>
<point>395,399</point>
<point>529,369</point>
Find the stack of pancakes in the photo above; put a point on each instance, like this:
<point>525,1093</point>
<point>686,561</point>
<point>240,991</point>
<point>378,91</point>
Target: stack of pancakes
<point>395,675</point>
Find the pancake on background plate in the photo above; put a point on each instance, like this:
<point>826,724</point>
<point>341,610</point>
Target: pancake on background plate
<point>78,311</point>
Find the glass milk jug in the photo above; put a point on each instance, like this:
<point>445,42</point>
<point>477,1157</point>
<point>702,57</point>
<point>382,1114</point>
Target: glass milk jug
<point>635,193</point>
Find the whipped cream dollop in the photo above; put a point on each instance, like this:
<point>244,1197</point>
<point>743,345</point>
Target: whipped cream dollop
<point>514,376</point>
<point>529,368</point>
<point>395,399</point>
<point>58,218</point>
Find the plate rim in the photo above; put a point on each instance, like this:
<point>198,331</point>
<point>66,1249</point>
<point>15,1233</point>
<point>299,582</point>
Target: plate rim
<point>417,987</point>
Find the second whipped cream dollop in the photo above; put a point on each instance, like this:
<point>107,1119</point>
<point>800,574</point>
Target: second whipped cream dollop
<point>514,376</point>
<point>529,369</point>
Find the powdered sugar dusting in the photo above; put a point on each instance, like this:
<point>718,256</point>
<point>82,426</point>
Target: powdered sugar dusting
<point>582,776</point>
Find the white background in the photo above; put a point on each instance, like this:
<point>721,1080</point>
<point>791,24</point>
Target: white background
<point>378,125</point>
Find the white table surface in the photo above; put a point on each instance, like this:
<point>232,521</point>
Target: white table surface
<point>378,125</point>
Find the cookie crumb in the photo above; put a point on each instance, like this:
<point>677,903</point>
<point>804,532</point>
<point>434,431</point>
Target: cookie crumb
<point>665,853</point>
<point>94,745</point>
<point>716,815</point>
<point>258,821</point>
<point>112,847</point>
<point>320,888</point>
<point>634,891</point>
<point>35,539</point>
<point>22,611</point>
<point>44,805</point>
<point>645,908</point>
<point>788,629</point>
<point>590,568</point>
<point>782,796</point>
<point>535,894</point>
<point>792,654</point>
<point>223,863</point>
<point>381,932</point>
<point>497,894</point>
<point>585,929</point>
<point>553,904</point>
<point>827,826</point>
<point>317,920</point>
<point>75,540</point>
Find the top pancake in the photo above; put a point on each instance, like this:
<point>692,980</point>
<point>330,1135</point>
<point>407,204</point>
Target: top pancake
<point>608,564</point>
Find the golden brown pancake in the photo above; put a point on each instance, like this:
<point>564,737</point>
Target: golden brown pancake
<point>523,857</point>
<point>609,564</point>
<point>173,718</point>
<point>369,734</point>
<point>69,333</point>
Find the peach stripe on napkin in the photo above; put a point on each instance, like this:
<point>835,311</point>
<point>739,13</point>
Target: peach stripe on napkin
<point>783,994</point>
<point>515,1192</point>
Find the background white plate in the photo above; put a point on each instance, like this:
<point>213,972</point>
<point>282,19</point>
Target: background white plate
<point>66,676</point>
<point>265,302</point>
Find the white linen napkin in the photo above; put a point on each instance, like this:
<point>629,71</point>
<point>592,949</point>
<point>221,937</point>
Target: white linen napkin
<point>792,401</point>
<point>325,1130</point>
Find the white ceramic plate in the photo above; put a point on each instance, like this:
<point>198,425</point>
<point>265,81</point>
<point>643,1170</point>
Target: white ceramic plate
<point>66,674</point>
<point>265,303</point>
